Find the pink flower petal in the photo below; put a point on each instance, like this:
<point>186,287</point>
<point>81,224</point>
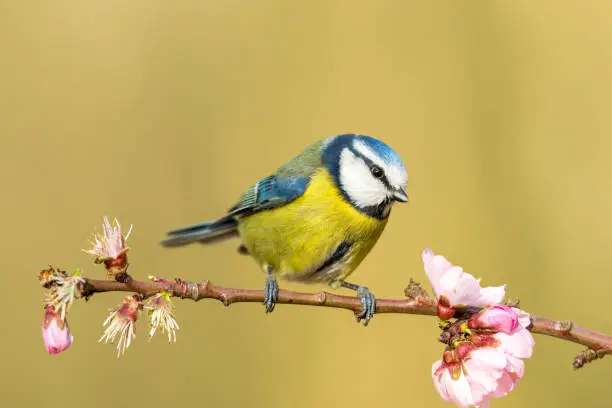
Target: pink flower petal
<point>524,318</point>
<point>458,287</point>
<point>515,369</point>
<point>435,267</point>
<point>448,282</point>
<point>459,391</point>
<point>480,374</point>
<point>485,403</point>
<point>437,379</point>
<point>506,384</point>
<point>489,360</point>
<point>491,295</point>
<point>56,339</point>
<point>466,291</point>
<point>519,344</point>
<point>498,317</point>
<point>515,365</point>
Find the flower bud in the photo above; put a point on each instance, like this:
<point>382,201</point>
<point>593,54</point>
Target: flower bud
<point>498,317</point>
<point>55,332</point>
<point>445,311</point>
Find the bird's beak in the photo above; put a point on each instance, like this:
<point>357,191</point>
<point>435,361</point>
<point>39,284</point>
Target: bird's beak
<point>400,195</point>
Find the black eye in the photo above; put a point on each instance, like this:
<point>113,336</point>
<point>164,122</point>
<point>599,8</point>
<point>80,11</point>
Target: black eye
<point>377,171</point>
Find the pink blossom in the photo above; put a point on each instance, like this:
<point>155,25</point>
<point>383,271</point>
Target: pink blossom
<point>491,367</point>
<point>55,332</point>
<point>467,380</point>
<point>498,317</point>
<point>517,346</point>
<point>111,242</point>
<point>110,247</point>
<point>519,343</point>
<point>484,356</point>
<point>455,287</point>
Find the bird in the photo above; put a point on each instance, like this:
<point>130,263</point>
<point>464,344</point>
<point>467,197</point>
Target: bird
<point>315,218</point>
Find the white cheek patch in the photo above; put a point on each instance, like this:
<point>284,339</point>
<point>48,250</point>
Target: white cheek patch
<point>395,174</point>
<point>358,183</point>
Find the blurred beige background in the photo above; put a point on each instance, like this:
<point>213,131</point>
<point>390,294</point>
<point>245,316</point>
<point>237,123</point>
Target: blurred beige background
<point>160,112</point>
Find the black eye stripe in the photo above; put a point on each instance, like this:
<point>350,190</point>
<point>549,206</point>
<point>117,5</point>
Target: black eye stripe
<point>377,171</point>
<point>385,181</point>
<point>370,163</point>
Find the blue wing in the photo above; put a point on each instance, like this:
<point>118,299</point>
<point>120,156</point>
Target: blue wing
<point>271,192</point>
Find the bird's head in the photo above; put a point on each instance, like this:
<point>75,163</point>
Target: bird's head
<point>369,173</point>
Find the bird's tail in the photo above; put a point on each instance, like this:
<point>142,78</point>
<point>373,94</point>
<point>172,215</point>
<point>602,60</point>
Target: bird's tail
<point>205,233</point>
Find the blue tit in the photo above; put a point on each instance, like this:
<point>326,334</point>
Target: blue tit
<point>316,217</point>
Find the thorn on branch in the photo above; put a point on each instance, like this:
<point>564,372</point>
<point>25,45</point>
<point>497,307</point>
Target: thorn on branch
<point>587,356</point>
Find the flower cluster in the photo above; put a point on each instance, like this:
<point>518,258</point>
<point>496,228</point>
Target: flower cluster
<point>121,323</point>
<point>110,248</point>
<point>485,349</point>
<point>62,289</point>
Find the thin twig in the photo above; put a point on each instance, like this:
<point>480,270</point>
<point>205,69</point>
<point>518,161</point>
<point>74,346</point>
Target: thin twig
<point>206,290</point>
<point>598,344</point>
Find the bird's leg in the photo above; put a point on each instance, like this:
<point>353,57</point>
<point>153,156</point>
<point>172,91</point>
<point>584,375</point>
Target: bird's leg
<point>368,302</point>
<point>270,290</point>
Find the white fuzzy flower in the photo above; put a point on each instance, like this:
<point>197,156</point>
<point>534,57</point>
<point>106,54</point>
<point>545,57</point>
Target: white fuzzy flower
<point>161,317</point>
<point>121,323</point>
<point>111,243</point>
<point>64,292</point>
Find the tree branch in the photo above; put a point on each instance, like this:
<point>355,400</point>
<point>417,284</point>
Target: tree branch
<point>206,290</point>
<point>418,303</point>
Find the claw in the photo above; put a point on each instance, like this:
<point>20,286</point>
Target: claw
<point>368,305</point>
<point>368,302</point>
<point>270,293</point>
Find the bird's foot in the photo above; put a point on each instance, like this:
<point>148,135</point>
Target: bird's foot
<point>270,293</point>
<point>368,305</point>
<point>368,302</point>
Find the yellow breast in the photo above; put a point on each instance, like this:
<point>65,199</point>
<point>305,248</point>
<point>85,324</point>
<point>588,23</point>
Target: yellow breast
<point>297,238</point>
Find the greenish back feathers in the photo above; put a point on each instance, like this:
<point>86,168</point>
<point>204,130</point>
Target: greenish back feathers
<point>286,184</point>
